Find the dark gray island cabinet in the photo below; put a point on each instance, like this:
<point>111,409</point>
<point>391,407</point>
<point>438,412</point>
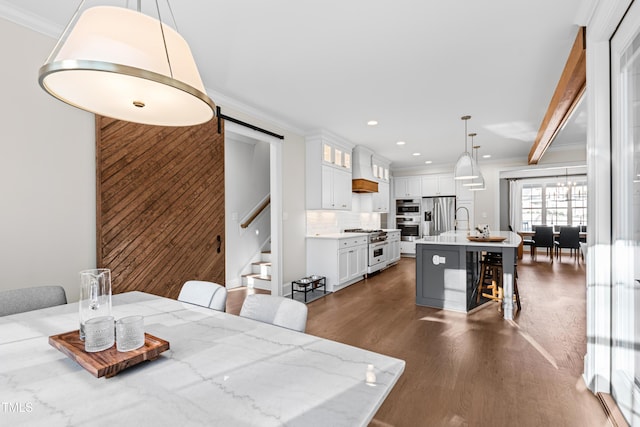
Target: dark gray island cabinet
<point>447,270</point>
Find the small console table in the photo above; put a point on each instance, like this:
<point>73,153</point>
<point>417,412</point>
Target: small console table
<point>309,284</point>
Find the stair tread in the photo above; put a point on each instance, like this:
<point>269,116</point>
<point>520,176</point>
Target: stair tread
<point>257,276</point>
<point>261,263</point>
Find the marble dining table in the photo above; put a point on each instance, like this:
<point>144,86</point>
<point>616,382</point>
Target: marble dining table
<point>220,370</point>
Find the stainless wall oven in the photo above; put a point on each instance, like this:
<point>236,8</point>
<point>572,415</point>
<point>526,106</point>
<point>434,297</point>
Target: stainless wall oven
<point>408,219</point>
<point>407,207</point>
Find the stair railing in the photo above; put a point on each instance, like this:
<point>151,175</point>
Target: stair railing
<point>257,211</point>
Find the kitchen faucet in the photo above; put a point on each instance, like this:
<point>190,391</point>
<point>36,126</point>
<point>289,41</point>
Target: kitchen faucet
<point>455,217</point>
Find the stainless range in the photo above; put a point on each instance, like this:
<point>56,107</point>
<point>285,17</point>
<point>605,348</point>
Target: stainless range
<point>377,248</point>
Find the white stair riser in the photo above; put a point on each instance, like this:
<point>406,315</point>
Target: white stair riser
<point>256,283</point>
<point>264,270</point>
<point>265,256</point>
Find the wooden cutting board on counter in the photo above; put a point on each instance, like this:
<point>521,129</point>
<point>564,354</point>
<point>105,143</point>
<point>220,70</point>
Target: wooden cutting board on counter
<point>486,239</point>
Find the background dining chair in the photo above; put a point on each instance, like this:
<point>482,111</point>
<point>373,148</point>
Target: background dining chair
<point>528,241</point>
<point>569,237</point>
<point>20,300</point>
<point>278,311</point>
<point>543,238</point>
<point>205,294</point>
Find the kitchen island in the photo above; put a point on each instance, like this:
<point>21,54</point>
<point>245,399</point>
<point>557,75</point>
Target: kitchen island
<point>447,269</point>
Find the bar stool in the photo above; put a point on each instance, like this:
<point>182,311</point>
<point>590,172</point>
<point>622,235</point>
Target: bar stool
<point>491,279</point>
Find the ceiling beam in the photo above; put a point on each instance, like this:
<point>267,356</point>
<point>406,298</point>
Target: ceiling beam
<point>570,88</point>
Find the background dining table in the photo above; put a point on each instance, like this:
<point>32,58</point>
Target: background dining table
<point>221,370</point>
<point>530,233</point>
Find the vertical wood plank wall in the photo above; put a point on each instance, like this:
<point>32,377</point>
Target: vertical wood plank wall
<point>160,205</point>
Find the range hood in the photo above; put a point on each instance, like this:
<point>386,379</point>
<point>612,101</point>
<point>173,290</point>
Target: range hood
<point>362,172</point>
<point>361,185</point>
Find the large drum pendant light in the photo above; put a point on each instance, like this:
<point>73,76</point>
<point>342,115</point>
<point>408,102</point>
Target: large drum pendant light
<point>465,168</point>
<point>120,63</point>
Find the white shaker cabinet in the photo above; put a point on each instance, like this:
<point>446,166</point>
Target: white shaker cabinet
<point>335,189</point>
<point>381,198</point>
<point>328,172</point>
<point>438,185</point>
<point>393,237</point>
<point>341,258</point>
<point>407,187</point>
<point>408,248</point>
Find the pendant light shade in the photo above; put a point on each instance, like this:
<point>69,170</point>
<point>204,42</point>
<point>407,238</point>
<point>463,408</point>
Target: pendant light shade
<point>123,64</point>
<point>479,184</point>
<point>479,179</point>
<point>465,166</point>
<point>476,184</point>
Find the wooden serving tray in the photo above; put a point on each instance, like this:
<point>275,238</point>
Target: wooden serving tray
<point>109,362</point>
<point>486,239</point>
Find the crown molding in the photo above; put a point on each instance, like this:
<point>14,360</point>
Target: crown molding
<point>17,15</point>
<point>226,101</point>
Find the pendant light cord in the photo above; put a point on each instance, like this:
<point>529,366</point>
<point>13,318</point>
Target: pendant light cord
<point>164,40</point>
<point>56,48</point>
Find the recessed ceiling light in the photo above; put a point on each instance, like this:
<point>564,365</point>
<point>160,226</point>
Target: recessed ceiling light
<point>416,154</point>
<point>428,162</point>
<point>400,143</point>
<point>372,122</point>
<point>486,156</point>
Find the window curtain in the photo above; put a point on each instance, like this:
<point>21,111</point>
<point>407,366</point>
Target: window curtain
<point>515,204</point>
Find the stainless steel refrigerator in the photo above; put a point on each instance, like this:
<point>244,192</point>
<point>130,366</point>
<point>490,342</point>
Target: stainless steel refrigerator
<point>438,215</point>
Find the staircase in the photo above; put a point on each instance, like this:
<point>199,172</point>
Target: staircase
<point>260,276</point>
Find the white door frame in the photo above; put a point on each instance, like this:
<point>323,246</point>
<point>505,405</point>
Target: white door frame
<point>602,23</point>
<point>276,198</point>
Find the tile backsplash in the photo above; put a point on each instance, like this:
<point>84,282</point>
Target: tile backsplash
<point>326,222</point>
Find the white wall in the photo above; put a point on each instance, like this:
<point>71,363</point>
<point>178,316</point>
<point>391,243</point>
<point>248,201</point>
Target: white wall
<point>47,174</point>
<point>246,185</point>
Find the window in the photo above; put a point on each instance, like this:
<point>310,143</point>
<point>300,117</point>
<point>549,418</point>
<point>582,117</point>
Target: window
<point>557,202</point>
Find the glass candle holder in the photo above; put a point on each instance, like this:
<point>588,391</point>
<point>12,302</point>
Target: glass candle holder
<point>130,333</point>
<point>99,334</point>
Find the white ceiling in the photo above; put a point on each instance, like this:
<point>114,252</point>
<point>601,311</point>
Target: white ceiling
<point>414,66</point>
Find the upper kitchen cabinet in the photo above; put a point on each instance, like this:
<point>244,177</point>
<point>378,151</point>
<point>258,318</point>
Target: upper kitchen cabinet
<point>371,180</point>
<point>328,172</point>
<point>380,200</point>
<point>438,185</point>
<point>407,187</point>
<point>380,168</point>
<point>336,154</point>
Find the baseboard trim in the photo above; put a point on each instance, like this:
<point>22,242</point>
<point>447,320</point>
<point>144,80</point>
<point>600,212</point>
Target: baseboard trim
<point>614,415</point>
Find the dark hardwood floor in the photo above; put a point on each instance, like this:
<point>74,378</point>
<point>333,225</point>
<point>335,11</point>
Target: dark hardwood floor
<point>476,369</point>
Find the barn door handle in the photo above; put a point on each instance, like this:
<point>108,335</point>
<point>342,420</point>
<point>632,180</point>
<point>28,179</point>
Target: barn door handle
<point>219,240</point>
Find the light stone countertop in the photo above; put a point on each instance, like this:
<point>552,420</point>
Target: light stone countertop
<point>459,238</point>
<point>336,235</point>
<point>221,370</point>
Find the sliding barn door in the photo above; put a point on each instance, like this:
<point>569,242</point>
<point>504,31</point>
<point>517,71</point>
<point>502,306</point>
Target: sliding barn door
<point>160,195</point>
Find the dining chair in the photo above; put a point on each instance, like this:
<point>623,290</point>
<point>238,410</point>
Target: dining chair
<point>278,311</point>
<point>205,294</point>
<point>15,301</point>
<point>569,237</point>
<point>542,238</point>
